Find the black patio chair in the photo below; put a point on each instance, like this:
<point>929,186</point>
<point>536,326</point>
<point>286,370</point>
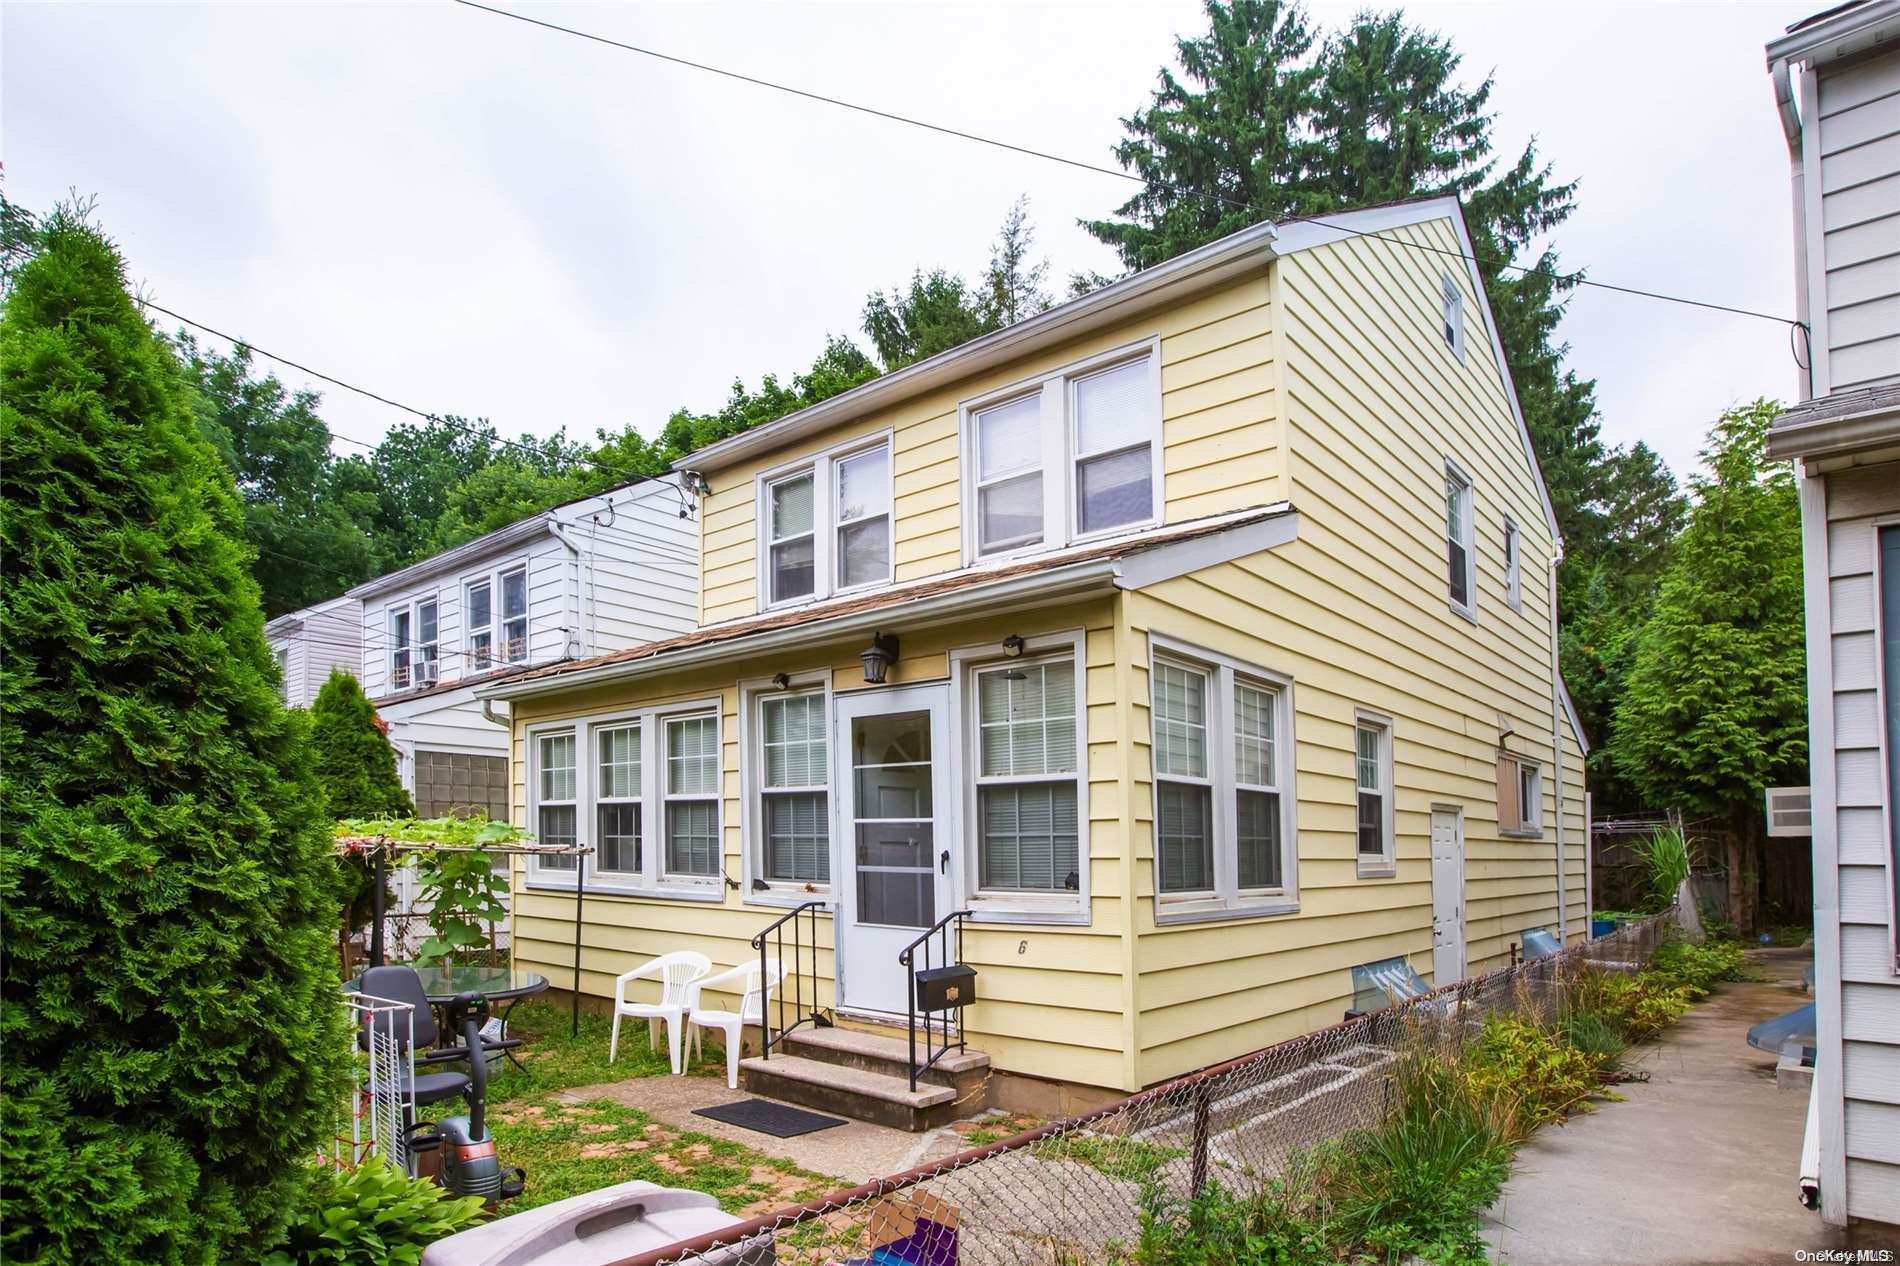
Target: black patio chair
<point>401,984</point>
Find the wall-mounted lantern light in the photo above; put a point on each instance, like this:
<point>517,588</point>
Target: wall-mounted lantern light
<point>1012,645</point>
<point>782,680</point>
<point>878,658</point>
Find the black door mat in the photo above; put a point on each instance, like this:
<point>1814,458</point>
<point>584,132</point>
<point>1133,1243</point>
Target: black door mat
<point>777,1119</point>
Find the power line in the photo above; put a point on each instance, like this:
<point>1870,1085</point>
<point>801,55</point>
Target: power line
<point>626,477</point>
<point>1573,278</point>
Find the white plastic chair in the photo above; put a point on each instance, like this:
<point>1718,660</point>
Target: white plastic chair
<point>676,973</point>
<point>755,995</point>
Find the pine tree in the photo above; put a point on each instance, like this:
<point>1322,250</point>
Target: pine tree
<point>1715,705</point>
<point>174,1044</point>
<point>356,766</point>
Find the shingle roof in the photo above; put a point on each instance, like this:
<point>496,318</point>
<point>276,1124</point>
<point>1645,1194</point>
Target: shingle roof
<point>1879,398</point>
<point>900,594</point>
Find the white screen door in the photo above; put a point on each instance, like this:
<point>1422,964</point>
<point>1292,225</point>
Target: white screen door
<point>1448,896</point>
<point>893,749</point>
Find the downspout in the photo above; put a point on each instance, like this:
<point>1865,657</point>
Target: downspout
<point>1557,749</point>
<point>1783,80</point>
<point>581,644</point>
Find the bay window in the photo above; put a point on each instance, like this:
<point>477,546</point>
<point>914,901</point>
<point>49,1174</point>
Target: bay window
<point>825,526</point>
<point>1074,455</point>
<point>1222,752</point>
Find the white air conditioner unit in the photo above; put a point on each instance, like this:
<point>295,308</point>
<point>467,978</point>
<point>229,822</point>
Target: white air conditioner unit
<point>427,671</point>
<point>1790,812</point>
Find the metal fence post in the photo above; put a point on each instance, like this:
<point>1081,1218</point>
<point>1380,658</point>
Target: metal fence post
<point>1197,1182</point>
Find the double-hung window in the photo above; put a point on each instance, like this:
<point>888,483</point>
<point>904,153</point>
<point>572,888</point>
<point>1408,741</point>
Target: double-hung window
<point>478,601</point>
<point>1071,456</point>
<point>617,794</point>
<point>1372,774</point>
<point>414,646</point>
<point>1461,575</point>
<point>514,615</point>
<point>794,806</point>
<point>1028,790</point>
<point>1452,301</point>
<point>691,805</point>
<point>557,806</point>
<point>1222,751</point>
<point>825,527</point>
<point>496,633</point>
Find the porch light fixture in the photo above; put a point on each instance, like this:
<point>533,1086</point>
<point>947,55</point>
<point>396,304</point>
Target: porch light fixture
<point>782,680</point>
<point>1013,645</point>
<point>878,658</point>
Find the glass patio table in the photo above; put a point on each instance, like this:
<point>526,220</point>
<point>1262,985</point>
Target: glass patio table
<point>502,985</point>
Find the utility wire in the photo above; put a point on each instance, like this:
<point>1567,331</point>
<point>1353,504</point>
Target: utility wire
<point>626,477</point>
<point>1573,278</point>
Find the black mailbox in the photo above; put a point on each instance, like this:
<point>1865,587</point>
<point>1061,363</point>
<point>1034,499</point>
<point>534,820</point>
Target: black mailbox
<point>941,988</point>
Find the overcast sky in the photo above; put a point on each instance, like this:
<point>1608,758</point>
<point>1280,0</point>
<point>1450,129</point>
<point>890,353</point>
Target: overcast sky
<point>475,216</point>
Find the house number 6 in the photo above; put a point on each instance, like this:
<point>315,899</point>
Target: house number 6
<point>1022,947</point>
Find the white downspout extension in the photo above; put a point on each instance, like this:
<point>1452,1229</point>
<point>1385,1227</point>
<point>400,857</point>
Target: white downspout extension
<point>582,642</point>
<point>1783,81</point>
<point>1557,753</point>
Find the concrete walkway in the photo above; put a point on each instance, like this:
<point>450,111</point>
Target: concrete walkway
<point>1695,1168</point>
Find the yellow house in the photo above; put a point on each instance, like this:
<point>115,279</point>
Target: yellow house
<point>1192,640</point>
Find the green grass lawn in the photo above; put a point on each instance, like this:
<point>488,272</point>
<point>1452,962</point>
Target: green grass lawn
<point>572,1148</point>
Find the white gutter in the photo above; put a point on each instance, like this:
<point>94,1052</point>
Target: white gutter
<point>502,719</point>
<point>1032,589</point>
<point>581,644</point>
<point>1781,75</point>
<point>1557,696</point>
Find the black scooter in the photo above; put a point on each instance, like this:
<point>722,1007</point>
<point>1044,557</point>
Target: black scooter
<point>468,1162</point>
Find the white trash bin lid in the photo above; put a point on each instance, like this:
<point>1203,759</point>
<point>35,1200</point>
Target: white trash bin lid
<point>598,1228</point>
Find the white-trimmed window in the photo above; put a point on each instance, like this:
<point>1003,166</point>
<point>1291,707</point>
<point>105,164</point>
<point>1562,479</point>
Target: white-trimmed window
<point>618,792</point>
<point>1452,301</point>
<point>414,645</point>
<point>557,803</point>
<point>1028,785</point>
<point>691,798</point>
<point>825,526</point>
<point>513,640</point>
<point>1372,776</point>
<point>1513,566</point>
<point>794,804</point>
<point>1223,785</point>
<point>1074,455</point>
<point>282,655</point>
<point>1461,576</point>
<point>478,604</point>
<point>1520,795</point>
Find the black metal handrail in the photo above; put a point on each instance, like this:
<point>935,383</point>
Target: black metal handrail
<point>908,957</point>
<point>795,975</point>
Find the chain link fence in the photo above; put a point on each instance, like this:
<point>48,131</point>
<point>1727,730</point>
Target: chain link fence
<point>1073,1191</point>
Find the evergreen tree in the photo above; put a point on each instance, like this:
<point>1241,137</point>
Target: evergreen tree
<point>1014,284</point>
<point>356,766</point>
<point>934,313</point>
<point>1715,705</point>
<point>174,1046</point>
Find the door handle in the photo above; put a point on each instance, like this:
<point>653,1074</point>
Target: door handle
<point>943,862</point>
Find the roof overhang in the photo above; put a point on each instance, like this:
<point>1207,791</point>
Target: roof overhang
<point>1831,36</point>
<point>1092,575</point>
<point>516,533</point>
<point>1862,426</point>
<point>1204,268</point>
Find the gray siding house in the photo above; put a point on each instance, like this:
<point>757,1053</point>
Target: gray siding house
<point>601,574</point>
<point>310,643</point>
<point>1837,84</point>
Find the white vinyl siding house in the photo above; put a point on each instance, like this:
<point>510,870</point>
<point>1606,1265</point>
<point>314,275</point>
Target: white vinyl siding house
<point>1837,81</point>
<point>310,643</point>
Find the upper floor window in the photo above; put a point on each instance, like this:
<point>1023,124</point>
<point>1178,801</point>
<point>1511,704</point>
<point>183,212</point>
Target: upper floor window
<point>1458,526</point>
<point>1454,313</point>
<point>282,655</point>
<point>497,633</point>
<point>414,649</point>
<point>1513,567</point>
<point>1073,456</point>
<point>826,527</point>
<point>1223,786</point>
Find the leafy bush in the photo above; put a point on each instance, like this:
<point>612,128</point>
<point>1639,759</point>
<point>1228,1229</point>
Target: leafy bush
<point>1516,1057</point>
<point>1695,969</point>
<point>373,1215</point>
<point>170,980</point>
<point>1640,1005</point>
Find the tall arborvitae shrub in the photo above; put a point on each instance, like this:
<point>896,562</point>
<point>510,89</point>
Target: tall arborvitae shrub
<point>174,1045</point>
<point>356,766</point>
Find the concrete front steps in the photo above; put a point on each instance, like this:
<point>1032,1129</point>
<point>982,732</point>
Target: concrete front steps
<point>866,1076</point>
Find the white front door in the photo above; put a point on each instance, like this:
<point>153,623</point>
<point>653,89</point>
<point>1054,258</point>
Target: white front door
<point>1448,896</point>
<point>892,754</point>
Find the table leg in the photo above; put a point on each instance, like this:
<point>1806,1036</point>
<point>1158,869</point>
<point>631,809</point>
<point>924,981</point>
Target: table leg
<point>506,1008</point>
